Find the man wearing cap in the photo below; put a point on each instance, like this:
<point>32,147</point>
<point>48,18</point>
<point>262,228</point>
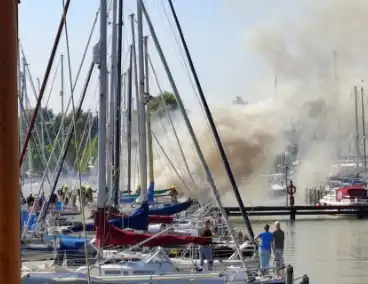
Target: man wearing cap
<point>278,246</point>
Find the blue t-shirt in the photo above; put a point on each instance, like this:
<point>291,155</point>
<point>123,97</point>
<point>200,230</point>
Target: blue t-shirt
<point>266,240</point>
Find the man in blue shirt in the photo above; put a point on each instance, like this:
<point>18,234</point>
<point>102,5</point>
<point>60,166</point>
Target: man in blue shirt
<point>266,238</point>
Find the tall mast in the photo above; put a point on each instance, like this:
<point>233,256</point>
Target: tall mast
<point>151,176</point>
<point>9,154</point>
<point>363,129</point>
<point>214,130</point>
<point>101,190</point>
<point>42,123</point>
<point>21,112</point>
<point>142,107</point>
<point>116,173</point>
<point>190,127</point>
<point>357,136</point>
<point>337,99</point>
<point>25,94</point>
<point>133,49</point>
<point>129,120</point>
<point>111,107</point>
<point>62,97</point>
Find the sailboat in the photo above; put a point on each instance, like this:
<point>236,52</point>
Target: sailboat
<point>108,234</point>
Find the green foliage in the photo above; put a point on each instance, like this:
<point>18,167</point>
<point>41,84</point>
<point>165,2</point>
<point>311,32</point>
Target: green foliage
<point>157,107</point>
<point>48,124</point>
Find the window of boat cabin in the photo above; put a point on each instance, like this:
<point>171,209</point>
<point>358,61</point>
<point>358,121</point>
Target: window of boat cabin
<point>357,192</point>
<point>331,193</point>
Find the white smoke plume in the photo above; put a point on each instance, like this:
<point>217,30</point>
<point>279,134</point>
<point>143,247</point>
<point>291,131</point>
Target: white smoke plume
<point>301,53</point>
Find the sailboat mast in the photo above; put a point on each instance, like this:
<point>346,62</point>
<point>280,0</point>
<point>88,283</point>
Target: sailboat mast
<point>214,129</point>
<point>363,129</point>
<point>25,94</point>
<point>142,107</point>
<point>62,96</point>
<point>111,104</point>
<point>9,154</point>
<point>21,112</point>
<point>337,99</point>
<point>135,70</point>
<point>129,120</point>
<point>357,136</point>
<point>101,190</point>
<point>190,127</point>
<point>42,125</point>
<point>116,176</point>
<point>151,177</point>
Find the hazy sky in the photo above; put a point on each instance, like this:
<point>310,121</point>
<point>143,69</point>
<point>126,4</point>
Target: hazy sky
<point>215,31</point>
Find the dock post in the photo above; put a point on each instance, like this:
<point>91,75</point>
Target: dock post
<point>289,274</point>
<point>305,279</point>
<point>291,190</point>
<point>292,213</point>
<point>9,152</point>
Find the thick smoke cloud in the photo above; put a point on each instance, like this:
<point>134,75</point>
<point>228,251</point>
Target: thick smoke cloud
<point>310,99</point>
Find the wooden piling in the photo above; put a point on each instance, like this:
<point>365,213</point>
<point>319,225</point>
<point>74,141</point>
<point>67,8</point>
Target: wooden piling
<point>289,275</point>
<point>9,152</point>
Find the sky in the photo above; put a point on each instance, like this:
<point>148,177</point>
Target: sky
<point>215,31</point>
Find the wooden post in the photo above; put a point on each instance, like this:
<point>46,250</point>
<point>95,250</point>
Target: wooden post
<point>289,275</point>
<point>9,152</point>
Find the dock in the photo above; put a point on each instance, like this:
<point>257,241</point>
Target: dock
<point>360,211</point>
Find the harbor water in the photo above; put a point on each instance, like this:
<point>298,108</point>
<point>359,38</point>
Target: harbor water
<point>331,251</point>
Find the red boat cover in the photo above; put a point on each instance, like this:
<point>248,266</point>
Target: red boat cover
<point>120,237</point>
<point>108,235</point>
<point>154,219</point>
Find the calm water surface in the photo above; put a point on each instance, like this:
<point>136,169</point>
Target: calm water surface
<point>329,251</point>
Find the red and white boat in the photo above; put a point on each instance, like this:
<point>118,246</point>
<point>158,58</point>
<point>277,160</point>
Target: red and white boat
<point>346,195</point>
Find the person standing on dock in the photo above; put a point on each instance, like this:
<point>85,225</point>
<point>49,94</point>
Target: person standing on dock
<point>278,246</point>
<point>206,251</point>
<point>265,247</point>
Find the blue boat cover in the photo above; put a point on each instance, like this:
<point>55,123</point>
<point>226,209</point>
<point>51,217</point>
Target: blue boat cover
<point>132,199</point>
<point>32,220</point>
<point>127,199</point>
<point>150,193</point>
<point>71,244</point>
<point>171,209</point>
<point>138,220</point>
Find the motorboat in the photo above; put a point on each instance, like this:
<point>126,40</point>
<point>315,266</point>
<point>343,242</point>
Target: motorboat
<point>347,195</point>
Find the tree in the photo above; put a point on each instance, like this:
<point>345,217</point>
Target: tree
<point>84,138</point>
<point>48,124</point>
<point>157,107</point>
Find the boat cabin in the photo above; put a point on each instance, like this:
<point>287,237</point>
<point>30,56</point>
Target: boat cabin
<point>347,195</point>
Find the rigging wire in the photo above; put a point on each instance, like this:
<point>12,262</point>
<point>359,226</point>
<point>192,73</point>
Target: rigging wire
<point>43,86</point>
<point>81,192</point>
<point>213,128</point>
<point>172,125</point>
<point>35,92</point>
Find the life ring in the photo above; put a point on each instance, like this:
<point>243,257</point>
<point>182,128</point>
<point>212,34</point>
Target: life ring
<point>291,189</point>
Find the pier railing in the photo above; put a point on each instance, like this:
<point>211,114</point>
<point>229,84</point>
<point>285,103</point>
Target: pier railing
<point>359,210</point>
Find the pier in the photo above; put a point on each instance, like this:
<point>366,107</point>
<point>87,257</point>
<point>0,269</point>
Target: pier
<point>359,211</point>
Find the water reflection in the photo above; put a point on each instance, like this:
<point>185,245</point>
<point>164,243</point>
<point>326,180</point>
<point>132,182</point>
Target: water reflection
<point>329,251</point>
